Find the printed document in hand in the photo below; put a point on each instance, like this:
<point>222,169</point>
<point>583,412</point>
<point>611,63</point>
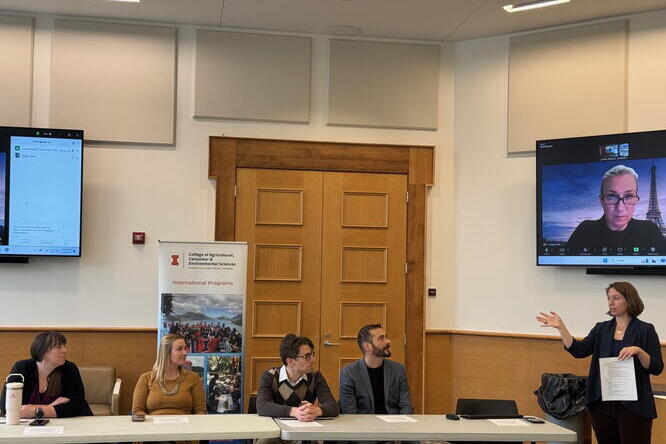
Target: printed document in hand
<point>618,379</point>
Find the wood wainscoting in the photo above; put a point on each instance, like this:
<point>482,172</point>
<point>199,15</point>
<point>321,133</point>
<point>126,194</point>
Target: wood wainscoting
<point>131,351</point>
<point>465,364</point>
<point>469,364</point>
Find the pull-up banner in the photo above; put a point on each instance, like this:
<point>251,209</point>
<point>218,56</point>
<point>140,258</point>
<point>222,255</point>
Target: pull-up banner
<point>202,298</point>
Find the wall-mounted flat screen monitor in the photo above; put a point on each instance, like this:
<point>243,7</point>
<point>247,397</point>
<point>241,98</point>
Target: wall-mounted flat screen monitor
<point>600,200</point>
<point>41,183</point>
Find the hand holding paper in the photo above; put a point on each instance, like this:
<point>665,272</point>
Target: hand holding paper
<point>628,352</point>
<point>618,379</point>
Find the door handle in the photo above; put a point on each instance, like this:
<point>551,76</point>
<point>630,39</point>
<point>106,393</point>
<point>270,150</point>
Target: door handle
<point>329,343</point>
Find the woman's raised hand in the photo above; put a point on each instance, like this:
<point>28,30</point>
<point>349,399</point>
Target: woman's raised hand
<point>550,319</point>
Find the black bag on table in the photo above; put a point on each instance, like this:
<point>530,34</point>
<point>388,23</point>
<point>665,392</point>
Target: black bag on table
<point>561,395</point>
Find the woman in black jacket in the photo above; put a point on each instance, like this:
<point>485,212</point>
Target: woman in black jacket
<point>624,336</point>
<point>53,386</point>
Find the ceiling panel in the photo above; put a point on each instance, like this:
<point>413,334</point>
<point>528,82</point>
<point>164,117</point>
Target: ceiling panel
<point>412,19</point>
<point>200,12</point>
<point>491,19</point>
<point>406,19</point>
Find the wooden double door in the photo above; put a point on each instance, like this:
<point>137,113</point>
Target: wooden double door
<point>326,255</point>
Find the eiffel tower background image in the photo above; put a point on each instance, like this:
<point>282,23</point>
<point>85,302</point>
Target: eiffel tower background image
<point>653,213</point>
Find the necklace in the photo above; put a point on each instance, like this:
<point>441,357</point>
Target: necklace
<point>171,392</point>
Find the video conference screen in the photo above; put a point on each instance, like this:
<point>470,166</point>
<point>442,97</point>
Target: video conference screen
<point>599,200</point>
<point>40,191</point>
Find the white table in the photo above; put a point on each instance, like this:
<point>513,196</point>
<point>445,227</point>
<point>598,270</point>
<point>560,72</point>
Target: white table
<point>426,427</point>
<point>89,429</point>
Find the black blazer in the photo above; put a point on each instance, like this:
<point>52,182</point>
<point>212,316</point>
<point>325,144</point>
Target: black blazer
<point>72,388</point>
<point>599,343</point>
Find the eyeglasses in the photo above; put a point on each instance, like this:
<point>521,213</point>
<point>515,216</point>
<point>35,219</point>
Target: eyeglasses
<point>307,356</point>
<point>613,199</point>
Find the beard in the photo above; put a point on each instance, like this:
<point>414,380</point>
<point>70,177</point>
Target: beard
<point>381,352</point>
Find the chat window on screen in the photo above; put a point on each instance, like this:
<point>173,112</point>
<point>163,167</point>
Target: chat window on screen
<point>45,175</point>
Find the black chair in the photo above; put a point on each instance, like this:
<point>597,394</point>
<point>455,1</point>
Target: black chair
<point>468,406</point>
<point>252,404</point>
<point>251,408</point>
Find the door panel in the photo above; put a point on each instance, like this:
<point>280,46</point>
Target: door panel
<point>279,214</point>
<point>363,265</point>
<point>326,255</point>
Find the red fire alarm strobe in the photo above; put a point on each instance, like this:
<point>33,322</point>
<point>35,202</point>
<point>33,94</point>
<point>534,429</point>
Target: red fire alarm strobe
<point>138,237</point>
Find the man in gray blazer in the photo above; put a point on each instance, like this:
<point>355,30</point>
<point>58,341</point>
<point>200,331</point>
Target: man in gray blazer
<point>374,384</point>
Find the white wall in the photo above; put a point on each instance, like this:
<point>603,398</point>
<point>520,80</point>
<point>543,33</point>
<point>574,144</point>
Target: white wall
<point>481,228</point>
<point>496,285</point>
<point>164,191</point>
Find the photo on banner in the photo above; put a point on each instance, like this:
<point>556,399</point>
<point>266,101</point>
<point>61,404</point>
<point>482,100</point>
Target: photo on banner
<point>210,323</point>
<point>196,364</point>
<point>224,384</point>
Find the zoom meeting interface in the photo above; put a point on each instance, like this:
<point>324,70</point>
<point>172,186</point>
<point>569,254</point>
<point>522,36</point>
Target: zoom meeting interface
<point>44,202</point>
<point>599,200</point>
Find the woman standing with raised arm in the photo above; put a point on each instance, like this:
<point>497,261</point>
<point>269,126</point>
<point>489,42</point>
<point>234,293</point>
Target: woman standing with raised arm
<point>624,336</point>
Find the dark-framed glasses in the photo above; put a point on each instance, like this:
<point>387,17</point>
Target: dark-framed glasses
<point>306,356</point>
<point>613,199</point>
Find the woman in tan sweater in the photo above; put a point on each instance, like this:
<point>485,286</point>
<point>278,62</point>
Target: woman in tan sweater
<point>169,389</point>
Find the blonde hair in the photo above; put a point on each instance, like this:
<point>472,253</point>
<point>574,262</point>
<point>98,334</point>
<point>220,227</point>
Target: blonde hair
<point>163,357</point>
<point>617,170</point>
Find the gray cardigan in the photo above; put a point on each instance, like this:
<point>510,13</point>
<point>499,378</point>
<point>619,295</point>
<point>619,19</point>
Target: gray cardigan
<point>356,391</point>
